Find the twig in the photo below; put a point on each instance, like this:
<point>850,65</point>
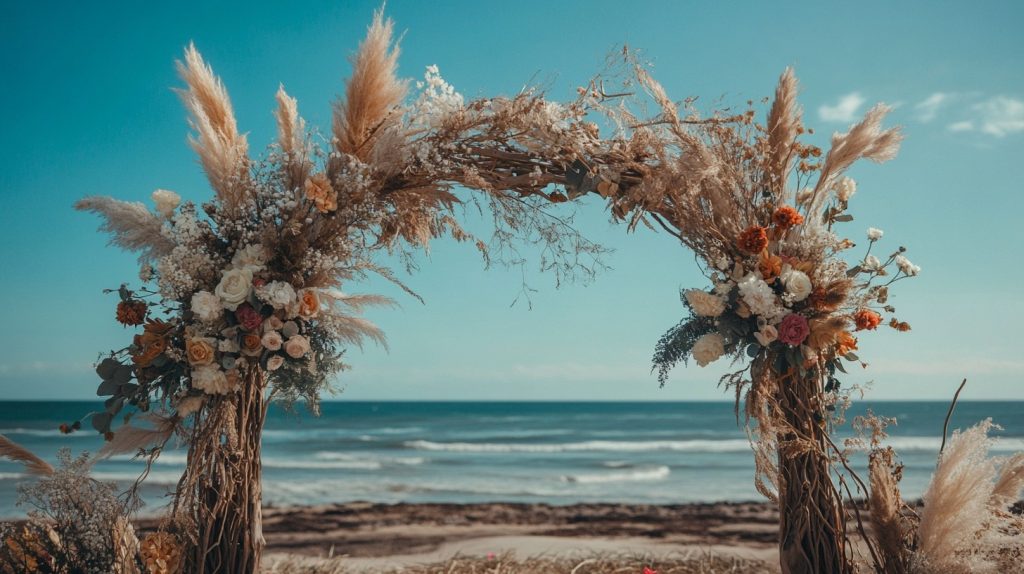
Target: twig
<point>945,424</point>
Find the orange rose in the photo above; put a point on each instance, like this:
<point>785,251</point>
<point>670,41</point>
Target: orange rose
<point>309,304</point>
<point>845,343</point>
<point>252,344</point>
<point>150,346</point>
<point>770,266</point>
<point>320,192</point>
<point>753,240</point>
<point>866,319</point>
<point>199,351</point>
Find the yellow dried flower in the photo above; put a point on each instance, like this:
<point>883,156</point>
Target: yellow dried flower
<point>161,553</point>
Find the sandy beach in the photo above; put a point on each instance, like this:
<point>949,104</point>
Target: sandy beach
<point>373,536</point>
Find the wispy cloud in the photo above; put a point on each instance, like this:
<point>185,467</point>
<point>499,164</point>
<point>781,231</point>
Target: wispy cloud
<point>927,109</point>
<point>953,368</point>
<point>845,110</point>
<point>997,116</point>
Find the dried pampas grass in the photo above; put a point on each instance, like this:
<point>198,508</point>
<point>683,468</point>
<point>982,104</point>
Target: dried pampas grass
<point>372,92</point>
<point>131,438</point>
<point>783,128</point>
<point>961,530</point>
<point>885,509</point>
<point>33,464</point>
<point>1009,486</point>
<point>291,137</point>
<point>131,225</point>
<point>222,151</point>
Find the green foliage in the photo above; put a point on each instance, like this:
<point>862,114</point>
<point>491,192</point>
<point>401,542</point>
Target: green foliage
<point>675,345</point>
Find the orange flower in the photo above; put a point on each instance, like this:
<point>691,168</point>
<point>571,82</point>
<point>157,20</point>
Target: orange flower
<point>252,344</point>
<point>150,346</point>
<point>786,217</point>
<point>753,240</point>
<point>131,312</point>
<point>320,192</point>
<point>199,351</point>
<point>866,319</point>
<point>845,343</point>
<point>770,266</point>
<point>309,304</point>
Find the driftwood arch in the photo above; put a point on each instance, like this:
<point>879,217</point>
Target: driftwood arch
<point>259,315</point>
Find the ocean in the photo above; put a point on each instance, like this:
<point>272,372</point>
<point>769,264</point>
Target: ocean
<point>554,452</point>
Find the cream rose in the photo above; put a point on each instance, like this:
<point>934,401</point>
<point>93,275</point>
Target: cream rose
<point>211,380</point>
<point>277,293</point>
<point>297,347</point>
<point>166,202</point>
<point>251,257</point>
<point>272,340</point>
<point>274,362</point>
<point>708,349</point>
<point>704,304</point>
<point>767,335</point>
<point>207,306</point>
<point>798,284</point>
<point>234,287</point>
<point>272,323</point>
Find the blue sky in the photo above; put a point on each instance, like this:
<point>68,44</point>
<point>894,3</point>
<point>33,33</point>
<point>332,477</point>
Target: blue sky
<point>89,110</point>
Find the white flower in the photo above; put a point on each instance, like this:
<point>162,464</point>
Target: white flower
<point>251,257</point>
<point>708,349</point>
<point>845,188</point>
<point>166,202</point>
<point>798,284</point>
<point>277,293</point>
<point>875,234</point>
<point>207,306</point>
<point>871,263</point>
<point>297,347</point>
<point>906,266</point>
<point>211,380</point>
<point>228,346</point>
<point>234,287</point>
<point>759,297</point>
<point>724,263</point>
<point>767,335</point>
<point>272,340</point>
<point>274,362</point>
<point>704,304</point>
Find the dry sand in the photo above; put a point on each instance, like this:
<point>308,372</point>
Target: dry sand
<point>374,536</point>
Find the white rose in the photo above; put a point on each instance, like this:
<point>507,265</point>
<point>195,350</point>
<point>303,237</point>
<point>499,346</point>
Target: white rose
<point>207,306</point>
<point>704,304</point>
<point>708,349</point>
<point>234,287</point>
<point>759,297</point>
<point>272,340</point>
<point>166,202</point>
<point>274,362</point>
<point>845,188</point>
<point>251,257</point>
<point>278,294</point>
<point>767,335</point>
<point>297,347</point>
<point>211,380</point>
<point>875,234</point>
<point>228,346</point>
<point>798,284</point>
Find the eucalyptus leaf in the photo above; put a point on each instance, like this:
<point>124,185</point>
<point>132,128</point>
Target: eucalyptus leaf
<point>753,349</point>
<point>123,374</point>
<point>839,366</point>
<point>107,388</point>
<point>851,357</point>
<point>107,368</point>
<point>101,422</point>
<point>853,271</point>
<point>843,218</point>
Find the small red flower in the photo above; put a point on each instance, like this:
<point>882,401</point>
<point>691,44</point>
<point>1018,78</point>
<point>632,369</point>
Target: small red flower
<point>248,317</point>
<point>649,570</point>
<point>753,239</point>
<point>866,319</point>
<point>786,217</point>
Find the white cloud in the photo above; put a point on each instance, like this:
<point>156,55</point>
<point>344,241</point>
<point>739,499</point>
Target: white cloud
<point>845,109</point>
<point>928,108</point>
<point>1000,115</point>
<point>964,126</point>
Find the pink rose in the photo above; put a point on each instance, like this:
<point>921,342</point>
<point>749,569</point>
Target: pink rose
<point>793,329</point>
<point>297,347</point>
<point>247,317</point>
<point>272,340</point>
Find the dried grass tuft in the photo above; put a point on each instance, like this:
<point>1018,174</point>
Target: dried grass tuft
<point>131,225</point>
<point>372,93</point>
<point>223,152</point>
<point>33,464</point>
<point>783,127</point>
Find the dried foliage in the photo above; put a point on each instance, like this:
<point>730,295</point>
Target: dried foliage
<point>32,463</point>
<point>131,225</point>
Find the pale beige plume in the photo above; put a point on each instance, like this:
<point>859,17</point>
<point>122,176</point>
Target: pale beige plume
<point>132,227</point>
<point>783,128</point>
<point>371,94</point>
<point>222,151</point>
<point>291,136</point>
<point>33,464</point>
<point>1010,483</point>
<point>129,439</point>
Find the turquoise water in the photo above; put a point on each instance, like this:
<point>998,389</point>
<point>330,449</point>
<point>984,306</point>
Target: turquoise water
<point>473,452</point>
